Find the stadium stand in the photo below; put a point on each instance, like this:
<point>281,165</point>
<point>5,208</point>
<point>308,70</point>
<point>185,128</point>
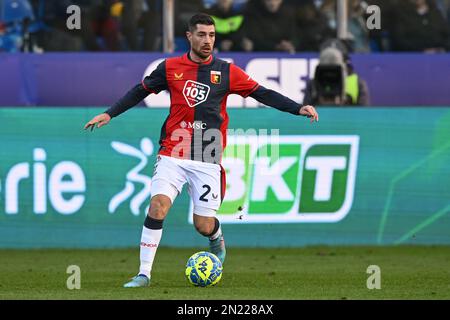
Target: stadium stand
<point>136,25</point>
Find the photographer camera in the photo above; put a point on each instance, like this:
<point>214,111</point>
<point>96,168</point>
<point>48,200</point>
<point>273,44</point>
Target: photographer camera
<point>335,83</point>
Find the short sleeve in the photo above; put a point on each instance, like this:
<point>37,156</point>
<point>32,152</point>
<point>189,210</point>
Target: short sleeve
<point>240,82</point>
<point>157,80</point>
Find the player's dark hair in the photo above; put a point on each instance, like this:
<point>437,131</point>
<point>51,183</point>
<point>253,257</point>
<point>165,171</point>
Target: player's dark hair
<point>200,18</point>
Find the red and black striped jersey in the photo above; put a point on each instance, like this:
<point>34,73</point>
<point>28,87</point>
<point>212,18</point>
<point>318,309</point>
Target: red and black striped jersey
<point>198,95</point>
<point>197,122</point>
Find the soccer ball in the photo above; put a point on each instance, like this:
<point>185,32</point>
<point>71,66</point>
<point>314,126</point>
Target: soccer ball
<point>203,269</point>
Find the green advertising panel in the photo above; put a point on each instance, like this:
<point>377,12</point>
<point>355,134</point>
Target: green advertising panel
<point>359,176</point>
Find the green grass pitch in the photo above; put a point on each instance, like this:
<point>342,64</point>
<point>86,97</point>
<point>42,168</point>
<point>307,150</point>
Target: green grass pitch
<point>318,272</point>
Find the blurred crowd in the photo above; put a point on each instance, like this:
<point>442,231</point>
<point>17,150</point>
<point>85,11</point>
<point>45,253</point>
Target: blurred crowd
<point>241,25</point>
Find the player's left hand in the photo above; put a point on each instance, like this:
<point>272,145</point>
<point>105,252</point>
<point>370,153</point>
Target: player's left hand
<point>310,112</point>
<point>99,121</point>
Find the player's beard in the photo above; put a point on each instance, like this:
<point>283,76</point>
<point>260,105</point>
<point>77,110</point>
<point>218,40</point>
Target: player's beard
<point>200,54</point>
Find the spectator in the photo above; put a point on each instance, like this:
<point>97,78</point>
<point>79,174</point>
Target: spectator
<point>99,28</point>
<point>106,26</point>
<point>145,16</point>
<point>358,35</point>
<point>420,26</point>
<point>312,27</point>
<point>328,9</point>
<point>130,17</point>
<point>447,7</point>
<point>238,5</point>
<point>56,37</point>
<point>268,26</point>
<point>184,10</point>
<point>15,19</point>
<point>151,22</point>
<point>358,32</point>
<point>444,7</point>
<point>356,89</point>
<point>379,39</point>
<point>228,25</point>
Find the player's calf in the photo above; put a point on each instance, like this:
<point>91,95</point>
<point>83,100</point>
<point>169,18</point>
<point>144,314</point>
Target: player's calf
<point>210,227</point>
<point>150,238</point>
<point>204,225</point>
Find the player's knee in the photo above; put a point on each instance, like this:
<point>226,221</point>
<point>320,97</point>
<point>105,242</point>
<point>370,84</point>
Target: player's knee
<point>158,208</point>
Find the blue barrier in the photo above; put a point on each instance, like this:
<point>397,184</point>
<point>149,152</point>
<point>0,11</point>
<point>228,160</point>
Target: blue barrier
<point>86,79</point>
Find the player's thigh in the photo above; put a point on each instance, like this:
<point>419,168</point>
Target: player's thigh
<point>205,188</point>
<point>167,181</point>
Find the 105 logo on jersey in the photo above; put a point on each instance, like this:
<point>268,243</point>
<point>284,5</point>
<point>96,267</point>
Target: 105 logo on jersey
<point>195,92</point>
<point>302,179</point>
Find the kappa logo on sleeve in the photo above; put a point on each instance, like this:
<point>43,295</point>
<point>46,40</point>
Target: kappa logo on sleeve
<point>195,93</point>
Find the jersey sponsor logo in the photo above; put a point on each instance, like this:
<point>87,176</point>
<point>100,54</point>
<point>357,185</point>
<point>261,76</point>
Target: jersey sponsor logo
<point>178,76</point>
<point>193,125</point>
<point>195,93</point>
<point>216,77</point>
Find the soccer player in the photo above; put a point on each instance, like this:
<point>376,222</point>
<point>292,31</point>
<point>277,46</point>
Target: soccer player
<point>193,136</point>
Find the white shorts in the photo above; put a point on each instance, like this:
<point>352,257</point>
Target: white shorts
<point>206,182</point>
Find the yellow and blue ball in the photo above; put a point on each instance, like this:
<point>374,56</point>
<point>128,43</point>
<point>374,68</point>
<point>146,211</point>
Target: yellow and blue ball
<point>203,269</point>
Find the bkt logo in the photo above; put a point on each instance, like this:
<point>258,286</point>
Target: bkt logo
<point>294,179</point>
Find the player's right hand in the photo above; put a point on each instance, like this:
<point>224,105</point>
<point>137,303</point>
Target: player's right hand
<point>310,112</point>
<point>100,120</point>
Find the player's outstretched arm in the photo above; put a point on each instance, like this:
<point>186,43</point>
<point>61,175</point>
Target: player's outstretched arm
<point>129,100</point>
<point>278,101</point>
<point>154,83</point>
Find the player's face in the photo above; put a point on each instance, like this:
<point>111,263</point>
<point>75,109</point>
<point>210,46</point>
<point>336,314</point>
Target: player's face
<point>202,40</point>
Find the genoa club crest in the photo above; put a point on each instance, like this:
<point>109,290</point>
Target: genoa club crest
<point>216,77</point>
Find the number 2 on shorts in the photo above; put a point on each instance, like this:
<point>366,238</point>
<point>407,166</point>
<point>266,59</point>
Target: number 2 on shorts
<point>208,190</point>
